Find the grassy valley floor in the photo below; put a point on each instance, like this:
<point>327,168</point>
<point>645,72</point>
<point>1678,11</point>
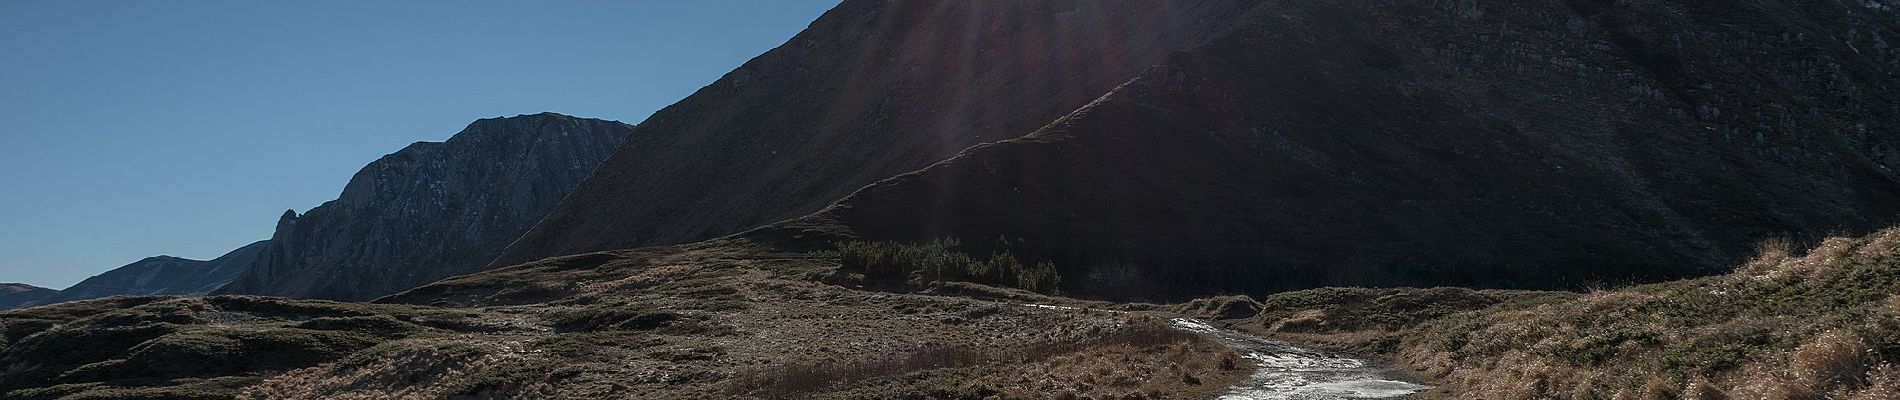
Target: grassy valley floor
<point>734,319</point>
<point>722,320</point>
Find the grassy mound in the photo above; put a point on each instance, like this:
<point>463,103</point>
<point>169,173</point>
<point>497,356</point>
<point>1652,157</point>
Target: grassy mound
<point>1221,307</point>
<point>163,347</point>
<point>1788,325</point>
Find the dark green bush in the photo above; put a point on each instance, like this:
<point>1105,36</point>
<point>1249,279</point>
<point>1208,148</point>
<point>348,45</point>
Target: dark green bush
<point>937,261</point>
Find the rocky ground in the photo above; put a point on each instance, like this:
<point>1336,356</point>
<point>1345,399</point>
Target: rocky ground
<point>723,319</point>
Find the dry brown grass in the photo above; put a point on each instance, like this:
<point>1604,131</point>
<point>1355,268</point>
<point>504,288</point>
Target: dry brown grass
<point>1819,324</point>
<point>1836,364</point>
<point>645,278</point>
<point>791,380</point>
<point>1835,357</point>
<point>1145,357</point>
<point>1700,389</point>
<point>1776,259</point>
<point>1883,383</point>
<point>1305,320</point>
<point>418,370</point>
<point>1769,257</point>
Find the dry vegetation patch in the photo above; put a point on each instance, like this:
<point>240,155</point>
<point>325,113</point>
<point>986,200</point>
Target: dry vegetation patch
<point>1788,325</point>
<point>1141,358</point>
<point>624,324</point>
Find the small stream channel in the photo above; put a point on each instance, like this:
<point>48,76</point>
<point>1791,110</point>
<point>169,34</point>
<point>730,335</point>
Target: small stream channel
<point>1284,372</point>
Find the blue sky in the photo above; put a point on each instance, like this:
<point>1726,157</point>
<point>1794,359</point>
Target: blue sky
<point>136,128</point>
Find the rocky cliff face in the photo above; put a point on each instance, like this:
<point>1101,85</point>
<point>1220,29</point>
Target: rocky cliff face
<point>1521,144</point>
<point>872,89</point>
<point>431,210</point>
<point>19,294</point>
<point>163,275</point>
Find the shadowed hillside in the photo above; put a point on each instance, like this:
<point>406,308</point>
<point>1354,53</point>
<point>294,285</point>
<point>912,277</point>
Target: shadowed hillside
<point>1510,145</point>
<point>872,89</point>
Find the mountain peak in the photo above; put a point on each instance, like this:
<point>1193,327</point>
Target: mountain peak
<point>432,209</point>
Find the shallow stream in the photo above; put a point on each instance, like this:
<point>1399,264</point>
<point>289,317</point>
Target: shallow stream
<point>1284,372</point>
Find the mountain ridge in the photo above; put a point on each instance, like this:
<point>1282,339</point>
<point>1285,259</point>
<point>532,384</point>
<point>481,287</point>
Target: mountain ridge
<point>430,210</point>
<point>18,294</point>
<point>162,275</point>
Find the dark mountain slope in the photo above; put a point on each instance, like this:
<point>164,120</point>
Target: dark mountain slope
<point>1532,144</point>
<point>431,210</point>
<point>163,275</point>
<point>20,294</point>
<point>872,89</point>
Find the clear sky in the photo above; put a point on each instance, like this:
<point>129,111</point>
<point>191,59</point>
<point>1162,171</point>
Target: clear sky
<point>137,128</point>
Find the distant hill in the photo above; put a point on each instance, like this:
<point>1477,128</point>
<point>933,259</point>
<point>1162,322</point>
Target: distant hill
<point>432,210</point>
<point>20,294</point>
<point>163,275</point>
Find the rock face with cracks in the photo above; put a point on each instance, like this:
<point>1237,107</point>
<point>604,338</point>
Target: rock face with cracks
<point>431,210</point>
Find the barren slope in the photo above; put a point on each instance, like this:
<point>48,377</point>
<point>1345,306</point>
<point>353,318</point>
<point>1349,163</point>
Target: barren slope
<point>872,89</point>
<point>1538,144</point>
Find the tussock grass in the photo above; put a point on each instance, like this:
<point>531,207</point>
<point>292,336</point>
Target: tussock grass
<point>1221,307</point>
<point>794,380</point>
<point>1819,324</point>
<point>171,347</point>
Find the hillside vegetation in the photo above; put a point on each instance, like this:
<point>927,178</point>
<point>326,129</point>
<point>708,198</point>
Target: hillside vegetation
<point>712,320</point>
<point>918,265</point>
<point>1824,323</point>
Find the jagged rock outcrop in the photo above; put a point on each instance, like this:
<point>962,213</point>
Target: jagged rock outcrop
<point>19,294</point>
<point>431,210</point>
<point>872,89</point>
<point>163,275</point>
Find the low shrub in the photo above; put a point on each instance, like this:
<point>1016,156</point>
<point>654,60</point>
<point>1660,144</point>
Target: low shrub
<point>940,260</point>
<point>1787,325</point>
